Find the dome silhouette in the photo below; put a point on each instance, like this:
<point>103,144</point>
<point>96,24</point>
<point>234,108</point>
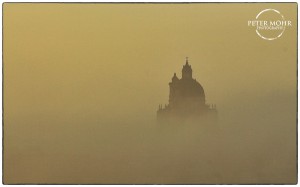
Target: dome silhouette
<point>186,98</point>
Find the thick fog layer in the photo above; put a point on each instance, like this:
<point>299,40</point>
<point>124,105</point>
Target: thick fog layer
<point>83,82</point>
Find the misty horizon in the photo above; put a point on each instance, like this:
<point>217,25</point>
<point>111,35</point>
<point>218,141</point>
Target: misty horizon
<point>82,84</point>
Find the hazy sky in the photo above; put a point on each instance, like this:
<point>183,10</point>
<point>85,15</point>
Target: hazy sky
<point>82,83</point>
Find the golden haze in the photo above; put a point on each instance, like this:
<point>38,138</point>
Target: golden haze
<point>82,83</point>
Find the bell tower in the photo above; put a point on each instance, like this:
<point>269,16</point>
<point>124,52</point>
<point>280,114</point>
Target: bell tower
<point>187,70</point>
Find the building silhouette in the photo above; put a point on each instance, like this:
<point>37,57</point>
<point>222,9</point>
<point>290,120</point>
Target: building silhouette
<point>186,100</point>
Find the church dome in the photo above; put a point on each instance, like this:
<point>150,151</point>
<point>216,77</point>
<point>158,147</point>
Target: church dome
<point>191,88</point>
<point>186,98</point>
<point>186,91</point>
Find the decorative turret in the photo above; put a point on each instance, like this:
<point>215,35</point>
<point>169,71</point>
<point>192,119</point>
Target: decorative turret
<point>187,70</point>
<point>175,78</point>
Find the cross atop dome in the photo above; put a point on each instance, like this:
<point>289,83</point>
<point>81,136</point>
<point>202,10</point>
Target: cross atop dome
<point>186,60</point>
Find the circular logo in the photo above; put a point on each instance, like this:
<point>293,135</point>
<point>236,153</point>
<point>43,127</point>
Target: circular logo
<point>270,24</point>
